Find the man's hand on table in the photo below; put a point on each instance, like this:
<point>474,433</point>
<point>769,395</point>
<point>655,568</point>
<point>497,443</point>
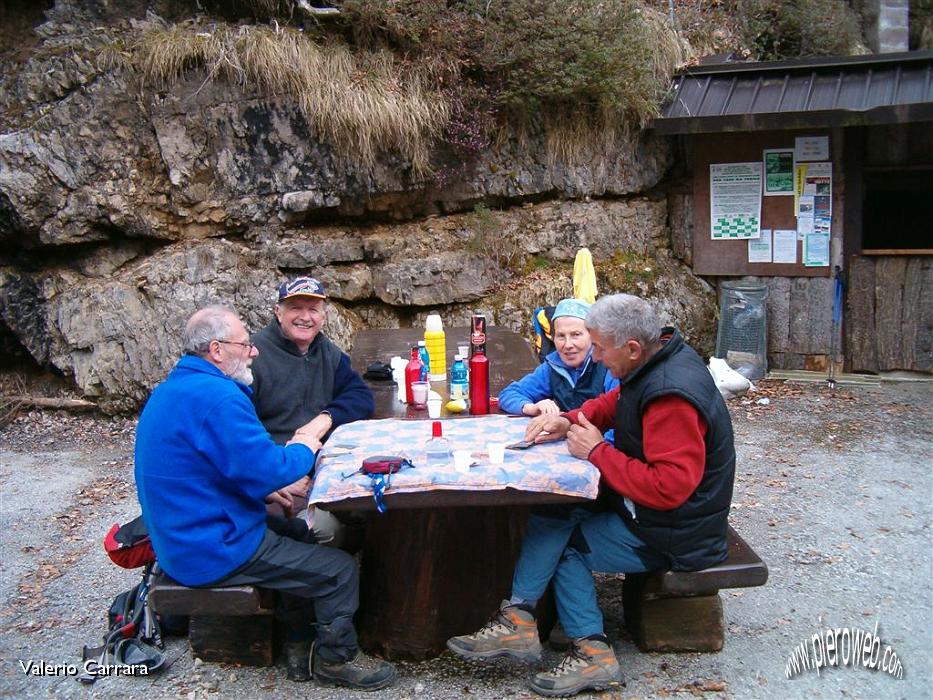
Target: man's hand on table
<point>547,428</point>
<point>583,437</point>
<point>312,442</point>
<point>317,427</point>
<point>544,407</point>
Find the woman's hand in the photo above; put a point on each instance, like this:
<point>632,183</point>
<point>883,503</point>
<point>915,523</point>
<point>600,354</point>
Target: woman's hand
<point>544,407</point>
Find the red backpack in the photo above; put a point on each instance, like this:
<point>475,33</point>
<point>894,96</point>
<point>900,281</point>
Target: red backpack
<point>129,545</point>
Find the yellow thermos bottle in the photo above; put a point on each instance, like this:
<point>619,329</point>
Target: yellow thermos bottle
<point>436,343</point>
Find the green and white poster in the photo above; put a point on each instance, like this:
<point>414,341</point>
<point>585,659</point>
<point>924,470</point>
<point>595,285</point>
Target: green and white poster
<point>735,200</point>
<point>779,171</point>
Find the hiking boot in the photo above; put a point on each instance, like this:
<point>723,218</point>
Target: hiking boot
<point>362,672</point>
<point>512,632</point>
<point>298,661</point>
<point>590,664</point>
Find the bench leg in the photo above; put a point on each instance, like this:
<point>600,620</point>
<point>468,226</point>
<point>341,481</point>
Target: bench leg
<point>246,640</point>
<point>681,624</point>
<point>672,624</point>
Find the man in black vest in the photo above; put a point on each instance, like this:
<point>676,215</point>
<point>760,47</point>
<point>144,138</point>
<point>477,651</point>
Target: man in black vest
<point>667,480</point>
<point>304,384</point>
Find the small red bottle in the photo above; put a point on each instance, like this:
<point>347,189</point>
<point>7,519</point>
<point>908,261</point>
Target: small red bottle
<point>479,368</point>
<point>412,374</point>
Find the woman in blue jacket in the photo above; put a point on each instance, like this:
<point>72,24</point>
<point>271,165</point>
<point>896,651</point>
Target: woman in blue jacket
<point>568,376</point>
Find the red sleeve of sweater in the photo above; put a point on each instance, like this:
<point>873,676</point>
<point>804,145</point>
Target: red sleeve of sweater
<point>675,453</point>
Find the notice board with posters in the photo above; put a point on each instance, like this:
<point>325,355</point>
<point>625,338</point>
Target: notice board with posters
<point>732,248</point>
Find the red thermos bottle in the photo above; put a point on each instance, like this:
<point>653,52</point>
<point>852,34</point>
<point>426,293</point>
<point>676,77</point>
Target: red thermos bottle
<point>479,368</point>
<point>412,374</point>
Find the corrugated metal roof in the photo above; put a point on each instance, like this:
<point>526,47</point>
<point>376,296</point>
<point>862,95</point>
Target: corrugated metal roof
<point>883,89</point>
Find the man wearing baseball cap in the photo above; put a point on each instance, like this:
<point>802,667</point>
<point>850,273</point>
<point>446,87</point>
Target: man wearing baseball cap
<point>303,383</point>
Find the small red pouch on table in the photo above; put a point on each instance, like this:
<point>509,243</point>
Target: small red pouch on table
<point>384,464</point>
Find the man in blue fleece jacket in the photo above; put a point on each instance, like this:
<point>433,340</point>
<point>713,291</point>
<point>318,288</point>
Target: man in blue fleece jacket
<point>204,464</point>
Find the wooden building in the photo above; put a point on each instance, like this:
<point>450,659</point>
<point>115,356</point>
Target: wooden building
<point>858,134</point>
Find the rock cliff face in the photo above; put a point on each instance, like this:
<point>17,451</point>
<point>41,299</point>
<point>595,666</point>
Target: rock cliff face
<point>122,210</point>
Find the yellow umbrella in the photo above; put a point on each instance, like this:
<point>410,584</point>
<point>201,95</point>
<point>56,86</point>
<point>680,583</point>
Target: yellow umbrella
<point>584,277</point>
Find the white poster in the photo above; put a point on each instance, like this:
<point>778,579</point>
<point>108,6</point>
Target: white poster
<point>735,200</point>
<point>811,148</point>
<point>805,217</point>
<point>759,249</point>
<point>818,180</point>
<point>816,250</point>
<point>785,247</point>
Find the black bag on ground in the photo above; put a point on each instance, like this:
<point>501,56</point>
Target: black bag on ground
<point>134,632</point>
<point>133,637</point>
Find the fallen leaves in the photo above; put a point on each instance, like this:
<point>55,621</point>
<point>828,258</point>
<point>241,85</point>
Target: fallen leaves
<point>31,588</point>
<point>701,687</point>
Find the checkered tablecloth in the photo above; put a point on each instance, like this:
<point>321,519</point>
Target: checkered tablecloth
<point>547,468</point>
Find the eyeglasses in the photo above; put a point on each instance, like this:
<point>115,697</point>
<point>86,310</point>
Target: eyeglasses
<point>249,346</point>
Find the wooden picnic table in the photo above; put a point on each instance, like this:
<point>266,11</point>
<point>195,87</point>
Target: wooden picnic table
<point>438,562</point>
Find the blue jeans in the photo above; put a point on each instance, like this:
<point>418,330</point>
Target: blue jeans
<point>566,544</point>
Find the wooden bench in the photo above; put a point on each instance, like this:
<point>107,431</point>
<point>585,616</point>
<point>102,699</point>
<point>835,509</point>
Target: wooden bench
<point>682,610</point>
<point>233,624</point>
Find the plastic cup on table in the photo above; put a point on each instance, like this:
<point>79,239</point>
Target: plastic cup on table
<point>419,393</point>
<point>496,451</point>
<point>464,351</point>
<point>462,460</point>
<point>434,408</point>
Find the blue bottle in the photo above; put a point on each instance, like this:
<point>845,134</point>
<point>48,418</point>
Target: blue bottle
<point>459,382</point>
<point>425,360</point>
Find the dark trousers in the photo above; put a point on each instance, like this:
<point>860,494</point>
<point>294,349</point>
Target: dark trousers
<point>313,582</point>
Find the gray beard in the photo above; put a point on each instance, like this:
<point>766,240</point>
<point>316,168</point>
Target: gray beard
<point>242,374</point>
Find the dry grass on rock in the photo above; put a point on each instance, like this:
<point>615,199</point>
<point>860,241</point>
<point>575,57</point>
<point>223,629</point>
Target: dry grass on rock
<point>363,102</point>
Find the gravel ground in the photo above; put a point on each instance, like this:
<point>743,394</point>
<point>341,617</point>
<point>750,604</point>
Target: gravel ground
<point>833,491</point>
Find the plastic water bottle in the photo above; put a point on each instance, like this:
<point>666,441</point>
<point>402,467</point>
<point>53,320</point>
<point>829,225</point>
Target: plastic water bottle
<point>459,384</point>
<point>425,360</point>
<point>437,448</point>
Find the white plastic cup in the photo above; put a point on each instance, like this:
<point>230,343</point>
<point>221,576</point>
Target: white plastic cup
<point>462,460</point>
<point>464,351</point>
<point>419,393</point>
<point>496,452</point>
<point>434,408</point>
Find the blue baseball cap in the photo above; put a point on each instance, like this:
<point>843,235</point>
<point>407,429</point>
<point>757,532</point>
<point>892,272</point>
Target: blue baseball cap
<point>571,307</point>
<point>301,287</point>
